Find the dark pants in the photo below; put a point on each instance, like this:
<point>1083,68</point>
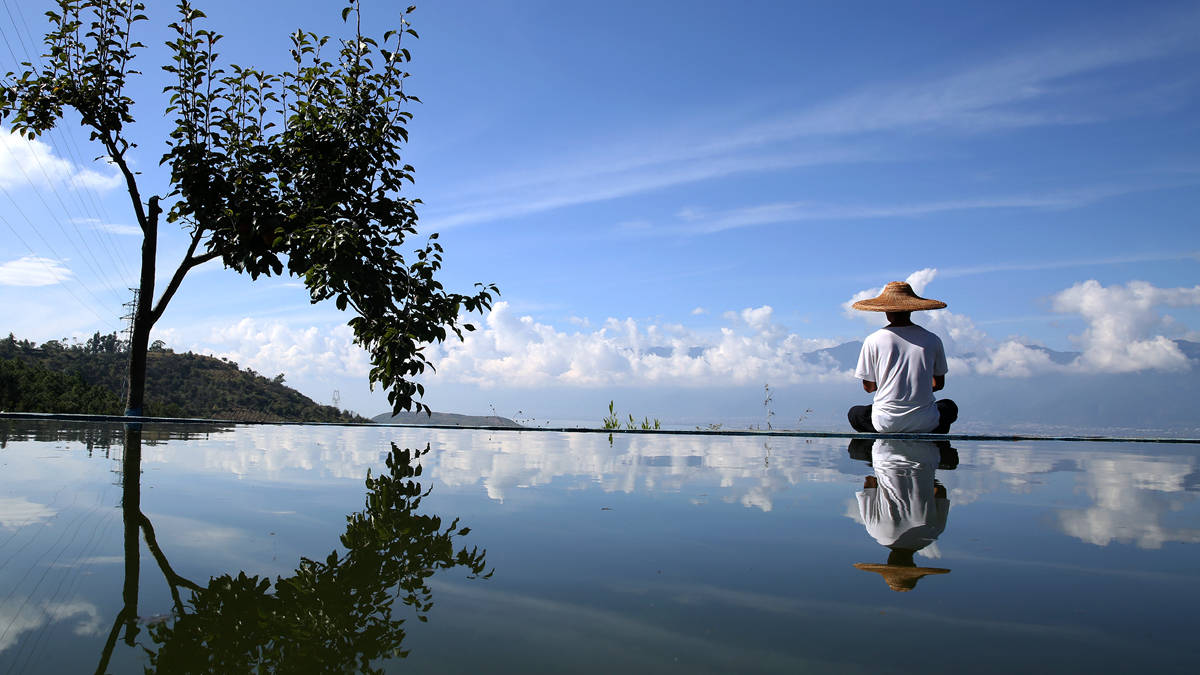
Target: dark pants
<point>860,449</point>
<point>860,417</point>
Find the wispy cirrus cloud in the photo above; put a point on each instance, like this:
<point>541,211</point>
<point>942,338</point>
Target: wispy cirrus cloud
<point>602,183</point>
<point>111,228</point>
<point>698,221</point>
<point>1032,266</point>
<point>1051,83</point>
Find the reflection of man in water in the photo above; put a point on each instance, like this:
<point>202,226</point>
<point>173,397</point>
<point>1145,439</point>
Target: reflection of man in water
<point>903,506</point>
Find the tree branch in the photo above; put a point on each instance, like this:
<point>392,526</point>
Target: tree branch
<point>118,157</point>
<point>111,642</point>
<point>173,579</point>
<point>190,260</point>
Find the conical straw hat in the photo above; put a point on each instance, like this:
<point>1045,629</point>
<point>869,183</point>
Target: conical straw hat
<point>897,297</point>
<point>901,578</point>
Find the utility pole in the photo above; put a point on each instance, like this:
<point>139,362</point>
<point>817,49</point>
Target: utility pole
<point>130,312</point>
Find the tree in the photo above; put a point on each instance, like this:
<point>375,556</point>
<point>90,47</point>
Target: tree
<point>345,612</point>
<point>298,171</point>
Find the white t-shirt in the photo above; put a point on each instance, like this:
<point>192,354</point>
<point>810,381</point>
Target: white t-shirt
<point>904,511</point>
<point>902,361</point>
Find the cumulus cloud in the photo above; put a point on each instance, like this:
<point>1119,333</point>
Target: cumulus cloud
<point>17,512</point>
<point>20,616</point>
<point>1132,501</point>
<point>271,347</point>
<point>959,333</point>
<point>1126,332</point>
<point>25,162</point>
<point>89,179</point>
<point>1013,359</point>
<point>33,271</point>
<point>918,280</point>
<point>513,350</point>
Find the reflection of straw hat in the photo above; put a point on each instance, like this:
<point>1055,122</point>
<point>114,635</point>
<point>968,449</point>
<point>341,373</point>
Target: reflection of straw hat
<point>901,578</point>
<point>897,297</point>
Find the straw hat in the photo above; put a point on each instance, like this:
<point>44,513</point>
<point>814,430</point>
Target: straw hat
<point>901,578</point>
<point>897,297</point>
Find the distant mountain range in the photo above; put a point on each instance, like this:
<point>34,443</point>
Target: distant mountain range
<point>845,355</point>
<point>445,419</point>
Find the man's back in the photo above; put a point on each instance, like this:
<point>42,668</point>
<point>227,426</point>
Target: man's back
<point>902,361</point>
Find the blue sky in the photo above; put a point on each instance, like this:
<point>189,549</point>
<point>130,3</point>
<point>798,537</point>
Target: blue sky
<point>677,199</point>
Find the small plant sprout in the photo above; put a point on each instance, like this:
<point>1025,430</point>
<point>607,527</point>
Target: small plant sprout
<point>768,398</point>
<point>613,421</point>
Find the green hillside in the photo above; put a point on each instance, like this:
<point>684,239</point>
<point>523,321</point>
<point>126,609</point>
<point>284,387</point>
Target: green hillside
<point>89,377</point>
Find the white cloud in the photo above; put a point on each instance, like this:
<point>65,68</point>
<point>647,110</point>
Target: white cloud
<point>959,333</point>
<point>115,228</point>
<point>561,187</point>
<point>921,278</point>
<point>512,350</point>
<point>33,271</point>
<point>18,512</point>
<point>918,280</point>
<point>697,221</point>
<point>1126,332</point>
<point>104,226</point>
<point>1013,359</point>
<point>19,616</point>
<point>89,179</point>
<point>1133,499</point>
<point>1024,87</point>
<point>699,311</point>
<point>271,347</point>
<point>25,162</point>
<point>1059,263</point>
<point>1050,83</point>
<point>516,351</point>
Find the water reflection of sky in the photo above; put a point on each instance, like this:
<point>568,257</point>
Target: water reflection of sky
<point>648,552</point>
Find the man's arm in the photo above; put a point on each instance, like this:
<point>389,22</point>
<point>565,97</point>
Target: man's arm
<point>939,382</point>
<point>869,386</point>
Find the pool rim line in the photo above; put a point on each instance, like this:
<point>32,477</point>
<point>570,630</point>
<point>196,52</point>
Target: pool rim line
<point>772,433</point>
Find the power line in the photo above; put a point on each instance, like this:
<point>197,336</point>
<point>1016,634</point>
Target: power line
<point>96,266</point>
<point>104,239</point>
<point>88,306</point>
<point>110,242</point>
<point>73,151</point>
<point>83,252</point>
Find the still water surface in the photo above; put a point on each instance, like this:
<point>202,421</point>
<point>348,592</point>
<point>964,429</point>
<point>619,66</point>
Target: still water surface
<point>194,548</point>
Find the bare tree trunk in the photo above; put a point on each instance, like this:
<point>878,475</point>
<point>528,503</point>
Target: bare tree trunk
<point>143,319</point>
<point>131,509</point>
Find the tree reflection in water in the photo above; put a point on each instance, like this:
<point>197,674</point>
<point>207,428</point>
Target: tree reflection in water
<point>331,615</point>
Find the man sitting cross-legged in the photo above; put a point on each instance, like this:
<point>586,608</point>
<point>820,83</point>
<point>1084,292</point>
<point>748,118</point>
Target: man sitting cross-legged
<point>902,364</point>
